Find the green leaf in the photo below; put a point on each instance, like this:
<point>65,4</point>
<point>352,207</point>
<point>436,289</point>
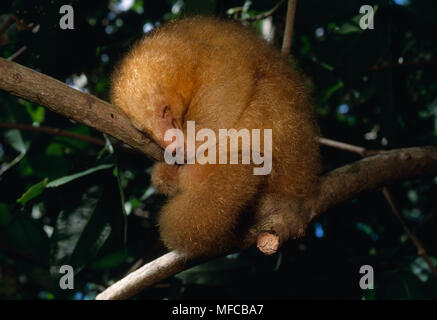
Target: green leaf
<point>13,137</point>
<point>6,166</point>
<point>353,25</point>
<point>116,172</point>
<point>330,91</point>
<point>67,179</point>
<point>102,85</point>
<point>80,232</point>
<point>38,188</point>
<point>55,149</point>
<point>348,28</point>
<point>110,261</point>
<point>33,192</point>
<point>5,215</point>
<point>37,113</point>
<point>24,169</point>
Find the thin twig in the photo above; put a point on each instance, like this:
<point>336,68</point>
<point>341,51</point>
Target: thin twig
<point>342,146</point>
<point>18,53</point>
<point>420,249</point>
<point>347,147</point>
<point>264,15</point>
<point>364,152</point>
<point>52,131</point>
<point>289,24</point>
<point>62,133</point>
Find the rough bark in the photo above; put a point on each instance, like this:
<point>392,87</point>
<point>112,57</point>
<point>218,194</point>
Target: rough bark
<point>274,229</point>
<point>74,104</point>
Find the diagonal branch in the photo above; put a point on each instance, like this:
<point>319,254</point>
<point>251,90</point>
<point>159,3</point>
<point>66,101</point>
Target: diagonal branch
<point>18,53</point>
<point>420,248</point>
<point>64,133</point>
<point>347,147</point>
<point>387,194</point>
<point>335,187</point>
<point>74,104</point>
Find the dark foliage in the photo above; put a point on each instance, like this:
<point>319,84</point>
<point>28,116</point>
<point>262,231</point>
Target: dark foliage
<point>375,88</point>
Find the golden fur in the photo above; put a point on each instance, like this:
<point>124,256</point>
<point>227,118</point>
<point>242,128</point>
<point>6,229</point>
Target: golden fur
<point>220,75</point>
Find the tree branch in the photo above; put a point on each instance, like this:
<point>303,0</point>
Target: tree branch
<point>372,172</point>
<point>335,187</point>
<point>74,104</point>
<point>18,53</point>
<point>165,266</point>
<point>420,248</point>
<point>289,25</point>
<point>347,147</point>
<point>387,195</point>
<point>64,133</point>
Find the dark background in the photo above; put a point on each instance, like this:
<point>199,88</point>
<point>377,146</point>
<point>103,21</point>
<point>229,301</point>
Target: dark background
<point>373,88</point>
